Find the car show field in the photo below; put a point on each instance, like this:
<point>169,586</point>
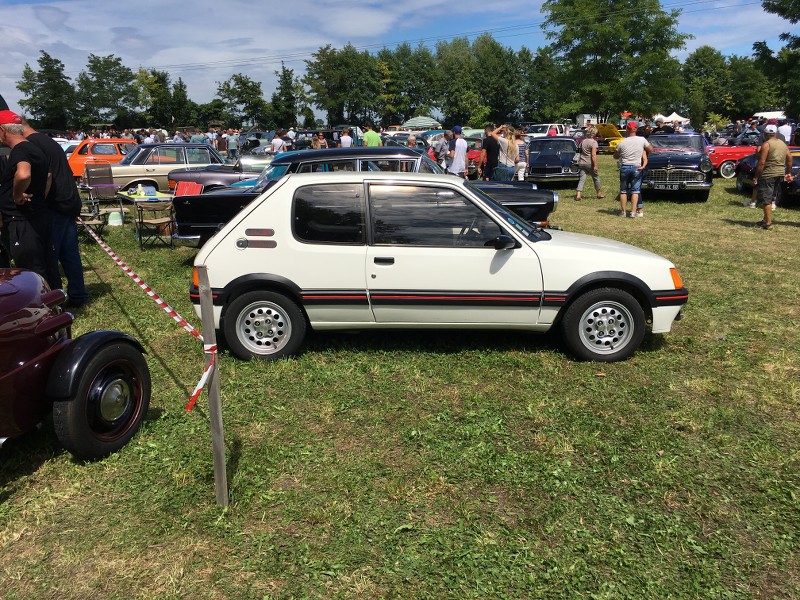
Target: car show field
<point>443,463</point>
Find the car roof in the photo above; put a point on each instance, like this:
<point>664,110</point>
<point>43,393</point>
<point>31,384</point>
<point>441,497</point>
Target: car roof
<point>362,152</point>
<point>550,138</point>
<point>376,176</point>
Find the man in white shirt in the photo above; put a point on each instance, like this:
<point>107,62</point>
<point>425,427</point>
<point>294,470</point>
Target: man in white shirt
<point>632,155</point>
<point>278,145</point>
<point>458,154</point>
<point>345,141</point>
<point>785,130</point>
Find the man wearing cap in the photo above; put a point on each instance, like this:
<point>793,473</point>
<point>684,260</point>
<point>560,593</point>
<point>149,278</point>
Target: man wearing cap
<point>458,154</point>
<point>23,187</point>
<point>632,155</point>
<point>661,128</point>
<point>774,167</point>
<point>64,205</point>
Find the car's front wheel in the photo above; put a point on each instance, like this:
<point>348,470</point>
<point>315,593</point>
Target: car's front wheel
<point>605,325</point>
<point>109,403</point>
<point>264,325</point>
<point>727,170</point>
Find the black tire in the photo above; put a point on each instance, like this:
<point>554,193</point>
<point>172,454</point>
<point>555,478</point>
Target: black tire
<point>109,404</point>
<point>727,170</point>
<point>603,325</point>
<point>264,325</point>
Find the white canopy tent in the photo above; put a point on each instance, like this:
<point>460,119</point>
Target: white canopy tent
<point>676,117</point>
<point>772,114</point>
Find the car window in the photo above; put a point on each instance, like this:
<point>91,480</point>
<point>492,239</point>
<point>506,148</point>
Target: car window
<point>427,216</point>
<point>125,148</point>
<point>327,166</point>
<point>392,166</point>
<point>104,149</point>
<point>329,214</point>
<point>198,156</point>
<point>84,150</point>
<point>166,156</point>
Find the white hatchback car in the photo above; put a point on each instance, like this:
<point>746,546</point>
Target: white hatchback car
<point>363,250</point>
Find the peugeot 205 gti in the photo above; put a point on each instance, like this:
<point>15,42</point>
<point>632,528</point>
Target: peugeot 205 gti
<point>359,250</point>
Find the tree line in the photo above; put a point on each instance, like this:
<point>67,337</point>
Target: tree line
<point>604,57</point>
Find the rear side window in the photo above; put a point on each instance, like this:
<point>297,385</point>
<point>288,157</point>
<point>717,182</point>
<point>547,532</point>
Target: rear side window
<point>104,149</point>
<point>327,166</point>
<point>329,214</point>
<point>199,156</point>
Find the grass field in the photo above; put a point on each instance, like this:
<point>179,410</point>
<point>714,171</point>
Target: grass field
<point>447,465</point>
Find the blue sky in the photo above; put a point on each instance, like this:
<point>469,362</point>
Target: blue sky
<point>205,41</point>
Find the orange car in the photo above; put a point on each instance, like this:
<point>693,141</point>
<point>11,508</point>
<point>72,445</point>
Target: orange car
<point>109,150</point>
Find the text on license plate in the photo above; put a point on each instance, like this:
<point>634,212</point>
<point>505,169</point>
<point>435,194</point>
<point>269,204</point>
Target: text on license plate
<point>667,186</point>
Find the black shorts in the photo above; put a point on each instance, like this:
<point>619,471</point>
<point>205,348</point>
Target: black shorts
<point>30,244</point>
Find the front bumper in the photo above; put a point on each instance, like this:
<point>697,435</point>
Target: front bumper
<point>190,241</point>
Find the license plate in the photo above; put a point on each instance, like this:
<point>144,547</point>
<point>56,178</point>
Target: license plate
<point>667,186</point>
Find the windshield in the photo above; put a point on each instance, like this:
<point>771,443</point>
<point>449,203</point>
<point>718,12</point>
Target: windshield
<point>551,146</point>
<point>509,217</point>
<point>270,173</point>
<point>131,156</point>
<point>686,143</point>
<point>538,129</point>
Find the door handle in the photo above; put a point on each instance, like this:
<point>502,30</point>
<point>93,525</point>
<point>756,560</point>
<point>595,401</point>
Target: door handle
<point>384,260</point>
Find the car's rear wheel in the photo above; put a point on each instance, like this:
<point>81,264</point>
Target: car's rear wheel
<point>109,404</point>
<point>727,170</point>
<point>264,325</point>
<point>605,325</point>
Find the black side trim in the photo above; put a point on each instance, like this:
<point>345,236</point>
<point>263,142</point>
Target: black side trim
<point>448,298</point>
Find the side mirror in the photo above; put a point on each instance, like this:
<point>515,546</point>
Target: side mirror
<point>504,242</point>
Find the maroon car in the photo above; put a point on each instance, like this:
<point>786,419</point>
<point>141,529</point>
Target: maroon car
<point>97,385</point>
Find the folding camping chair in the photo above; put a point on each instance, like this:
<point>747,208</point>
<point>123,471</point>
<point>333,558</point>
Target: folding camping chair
<point>188,188</point>
<point>102,189</point>
<point>154,222</point>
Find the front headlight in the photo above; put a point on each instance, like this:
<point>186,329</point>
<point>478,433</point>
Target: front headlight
<point>705,165</point>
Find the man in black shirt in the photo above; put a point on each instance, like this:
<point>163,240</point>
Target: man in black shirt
<point>490,154</point>
<point>63,205</point>
<point>661,128</point>
<point>22,202</point>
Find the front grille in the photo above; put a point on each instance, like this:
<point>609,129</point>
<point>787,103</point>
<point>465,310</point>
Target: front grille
<point>554,170</point>
<point>670,175</point>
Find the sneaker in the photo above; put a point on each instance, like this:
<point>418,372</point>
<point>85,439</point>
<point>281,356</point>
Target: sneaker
<point>767,226</point>
<point>622,213</point>
<point>637,215</point>
<point>774,206</point>
<point>751,204</point>
<point>600,195</point>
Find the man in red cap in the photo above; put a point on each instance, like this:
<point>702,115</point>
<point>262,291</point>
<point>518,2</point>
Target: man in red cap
<point>23,186</point>
<point>632,154</point>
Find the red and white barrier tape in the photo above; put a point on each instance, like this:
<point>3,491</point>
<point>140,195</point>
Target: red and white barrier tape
<point>211,351</point>
<point>207,348</point>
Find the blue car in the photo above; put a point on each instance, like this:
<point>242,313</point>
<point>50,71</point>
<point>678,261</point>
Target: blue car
<point>679,166</point>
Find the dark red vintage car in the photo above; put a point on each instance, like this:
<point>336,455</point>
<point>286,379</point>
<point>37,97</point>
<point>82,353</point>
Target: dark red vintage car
<point>97,385</point>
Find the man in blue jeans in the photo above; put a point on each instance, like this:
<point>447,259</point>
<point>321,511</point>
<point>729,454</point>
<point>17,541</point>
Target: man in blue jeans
<point>632,154</point>
<point>63,205</point>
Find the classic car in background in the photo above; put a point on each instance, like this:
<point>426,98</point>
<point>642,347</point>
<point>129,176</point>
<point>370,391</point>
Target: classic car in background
<point>543,129</point>
<point>150,164</point>
<point>747,165</point>
<point>678,165</point>
<point>97,385</point>
<point>216,176</point>
<point>724,158</point>
<point>108,150</point>
<point>371,250</point>
<point>198,217</point>
<point>550,159</point>
<point>611,137</point>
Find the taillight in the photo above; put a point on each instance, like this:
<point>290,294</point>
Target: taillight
<point>195,278</point>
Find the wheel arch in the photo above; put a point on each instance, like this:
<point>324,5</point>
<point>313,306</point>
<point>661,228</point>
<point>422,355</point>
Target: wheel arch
<point>264,282</point>
<point>66,372</point>
<point>613,279</point>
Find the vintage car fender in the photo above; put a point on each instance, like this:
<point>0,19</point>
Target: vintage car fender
<point>69,365</point>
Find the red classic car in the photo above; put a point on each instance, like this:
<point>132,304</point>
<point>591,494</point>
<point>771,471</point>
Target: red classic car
<point>98,385</point>
<point>724,158</point>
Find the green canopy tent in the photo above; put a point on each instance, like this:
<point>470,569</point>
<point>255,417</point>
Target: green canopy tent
<point>422,123</point>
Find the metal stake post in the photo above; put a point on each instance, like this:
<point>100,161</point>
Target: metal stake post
<point>214,403</point>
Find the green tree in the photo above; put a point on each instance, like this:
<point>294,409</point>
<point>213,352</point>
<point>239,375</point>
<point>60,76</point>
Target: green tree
<point>781,69</point>
<point>496,77</point>
<point>284,99</point>
<point>789,10</point>
<point>541,96</point>
<point>242,99</point>
<point>456,89</point>
<point>154,96</point>
<point>327,83</point>
<point>49,95</point>
<point>708,80</point>
<point>616,54</point>
<point>184,111</point>
<point>752,90</point>
<point>105,90</point>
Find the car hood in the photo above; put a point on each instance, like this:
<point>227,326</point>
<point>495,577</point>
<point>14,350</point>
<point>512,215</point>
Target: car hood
<point>608,131</point>
<point>661,157</point>
<point>550,158</point>
<point>563,260</point>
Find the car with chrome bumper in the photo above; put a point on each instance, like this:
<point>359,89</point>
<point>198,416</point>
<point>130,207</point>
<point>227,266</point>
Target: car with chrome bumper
<point>550,159</point>
<point>679,166</point>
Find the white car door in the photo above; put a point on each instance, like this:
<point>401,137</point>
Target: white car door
<point>432,260</point>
